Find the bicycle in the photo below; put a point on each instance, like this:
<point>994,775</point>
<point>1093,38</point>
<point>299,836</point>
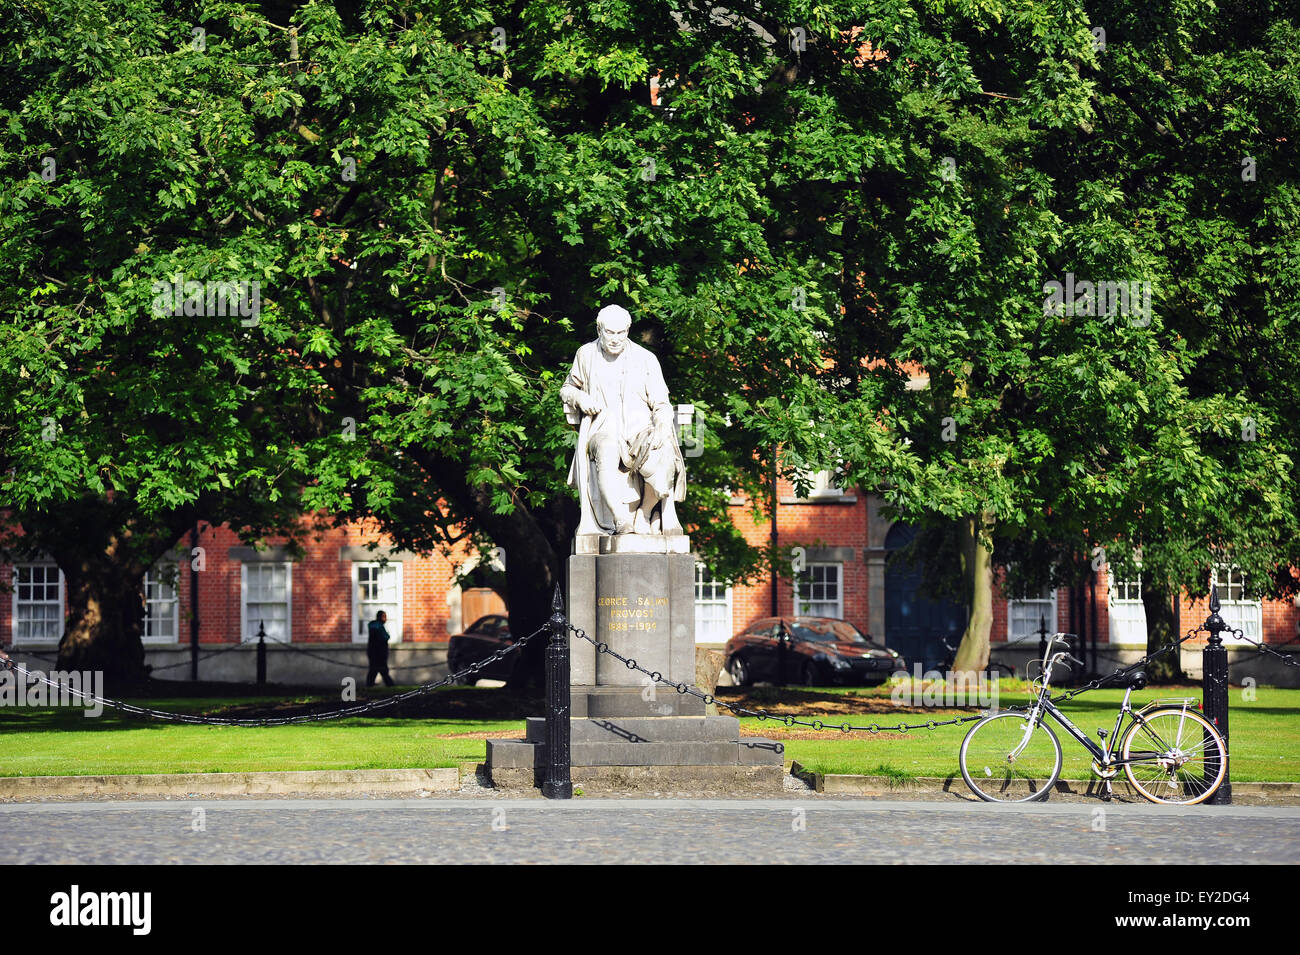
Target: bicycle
<point>1170,753</point>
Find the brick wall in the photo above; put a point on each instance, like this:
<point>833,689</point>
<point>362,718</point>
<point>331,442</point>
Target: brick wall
<point>322,584</point>
<point>815,524</point>
<point>321,602</point>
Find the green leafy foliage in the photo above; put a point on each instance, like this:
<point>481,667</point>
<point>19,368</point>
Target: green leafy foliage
<point>435,200</point>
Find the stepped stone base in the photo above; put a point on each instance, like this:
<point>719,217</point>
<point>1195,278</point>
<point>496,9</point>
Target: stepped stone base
<point>636,595</point>
<point>594,780</point>
<point>628,702</point>
<point>638,752</point>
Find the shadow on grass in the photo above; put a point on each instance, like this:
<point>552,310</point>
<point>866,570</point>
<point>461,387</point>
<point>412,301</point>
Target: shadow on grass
<point>449,703</point>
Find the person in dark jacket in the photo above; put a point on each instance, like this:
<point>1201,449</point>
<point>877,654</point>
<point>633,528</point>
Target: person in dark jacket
<point>377,650</point>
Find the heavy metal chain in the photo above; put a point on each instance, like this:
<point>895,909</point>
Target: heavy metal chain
<point>1288,658</point>
<point>846,727</point>
<point>249,647</point>
<point>320,656</point>
<point>206,656</point>
<point>708,698</point>
<point>1124,671</point>
<point>367,707</point>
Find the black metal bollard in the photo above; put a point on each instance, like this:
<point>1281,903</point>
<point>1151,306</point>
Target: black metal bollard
<point>261,653</point>
<point>1214,661</point>
<point>557,783</point>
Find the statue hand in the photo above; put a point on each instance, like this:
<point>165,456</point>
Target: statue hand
<point>590,405</point>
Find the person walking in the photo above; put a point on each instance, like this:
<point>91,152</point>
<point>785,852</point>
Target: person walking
<point>377,650</point>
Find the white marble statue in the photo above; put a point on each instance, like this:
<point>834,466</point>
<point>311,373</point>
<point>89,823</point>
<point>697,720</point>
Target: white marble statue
<point>628,468</point>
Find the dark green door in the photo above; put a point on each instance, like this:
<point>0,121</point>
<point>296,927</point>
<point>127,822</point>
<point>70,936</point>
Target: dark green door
<point>916,625</point>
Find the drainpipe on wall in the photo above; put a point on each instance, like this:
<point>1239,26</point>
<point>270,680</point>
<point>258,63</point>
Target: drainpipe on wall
<point>1178,629</point>
<point>775,605</point>
<point>1092,599</point>
<point>194,607</point>
<point>1081,600</point>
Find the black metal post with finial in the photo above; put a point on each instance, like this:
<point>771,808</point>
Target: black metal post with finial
<point>261,653</point>
<point>1214,662</point>
<point>1042,636</point>
<point>557,783</point>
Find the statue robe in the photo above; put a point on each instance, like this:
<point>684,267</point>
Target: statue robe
<point>631,416</point>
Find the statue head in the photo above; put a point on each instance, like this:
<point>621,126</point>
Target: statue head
<point>612,323</point>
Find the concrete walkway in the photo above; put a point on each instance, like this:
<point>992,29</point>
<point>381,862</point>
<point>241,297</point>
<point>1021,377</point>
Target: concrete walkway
<point>633,831</point>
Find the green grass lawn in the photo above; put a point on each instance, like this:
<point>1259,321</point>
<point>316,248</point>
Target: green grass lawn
<point>1265,742</point>
<point>63,742</point>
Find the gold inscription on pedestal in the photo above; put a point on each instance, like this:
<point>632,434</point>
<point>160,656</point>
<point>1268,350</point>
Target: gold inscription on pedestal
<point>633,613</point>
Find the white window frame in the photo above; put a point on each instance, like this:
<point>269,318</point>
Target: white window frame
<point>244,635</point>
<point>824,483</point>
<point>1125,610</point>
<point>800,611</point>
<point>1049,616</point>
<point>700,602</point>
<point>156,575</point>
<point>13,616</point>
<point>1238,612</point>
<point>360,619</point>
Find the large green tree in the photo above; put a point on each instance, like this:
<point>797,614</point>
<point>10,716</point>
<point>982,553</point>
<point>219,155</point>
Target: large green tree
<point>1058,145</point>
<point>828,200</point>
<point>136,396</point>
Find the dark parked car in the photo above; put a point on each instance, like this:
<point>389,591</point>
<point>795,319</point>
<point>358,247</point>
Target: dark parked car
<point>484,637</point>
<point>814,651</point>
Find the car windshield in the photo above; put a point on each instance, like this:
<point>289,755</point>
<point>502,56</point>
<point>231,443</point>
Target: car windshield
<point>826,631</point>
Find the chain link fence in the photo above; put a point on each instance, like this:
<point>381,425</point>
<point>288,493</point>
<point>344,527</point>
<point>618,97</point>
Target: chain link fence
<point>873,728</point>
<point>359,709</point>
<point>1288,659</point>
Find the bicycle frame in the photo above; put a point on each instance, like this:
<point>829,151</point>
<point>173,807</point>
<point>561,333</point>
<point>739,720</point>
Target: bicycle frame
<point>1106,758</point>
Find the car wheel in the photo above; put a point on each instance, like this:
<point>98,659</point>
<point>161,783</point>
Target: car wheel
<point>739,672</point>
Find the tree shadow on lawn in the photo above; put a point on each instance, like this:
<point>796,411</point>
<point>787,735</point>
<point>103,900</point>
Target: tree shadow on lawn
<point>792,701</point>
<point>450,703</point>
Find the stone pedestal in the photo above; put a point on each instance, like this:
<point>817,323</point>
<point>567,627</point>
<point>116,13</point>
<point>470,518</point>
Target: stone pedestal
<point>637,594</point>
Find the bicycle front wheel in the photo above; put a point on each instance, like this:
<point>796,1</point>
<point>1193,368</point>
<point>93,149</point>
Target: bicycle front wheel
<point>1174,756</point>
<point>1003,760</point>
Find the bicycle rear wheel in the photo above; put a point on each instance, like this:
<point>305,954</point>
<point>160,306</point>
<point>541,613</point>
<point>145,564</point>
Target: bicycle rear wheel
<point>1174,756</point>
<point>994,775</point>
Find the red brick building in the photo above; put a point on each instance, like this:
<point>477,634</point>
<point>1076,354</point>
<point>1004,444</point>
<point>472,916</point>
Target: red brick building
<point>320,603</point>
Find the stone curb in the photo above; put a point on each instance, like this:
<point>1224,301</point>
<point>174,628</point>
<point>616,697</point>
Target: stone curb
<point>448,779</point>
<point>845,784</point>
<point>340,781</point>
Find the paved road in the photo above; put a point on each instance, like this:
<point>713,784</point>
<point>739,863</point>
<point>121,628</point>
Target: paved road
<point>638,831</point>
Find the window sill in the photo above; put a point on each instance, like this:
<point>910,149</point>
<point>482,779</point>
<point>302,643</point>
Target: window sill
<point>821,499</point>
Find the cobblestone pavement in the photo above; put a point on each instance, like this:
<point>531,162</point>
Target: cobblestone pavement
<point>789,830</point>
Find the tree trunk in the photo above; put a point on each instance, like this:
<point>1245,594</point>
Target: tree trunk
<point>530,582</point>
<point>1162,630</point>
<point>104,623</point>
<point>104,548</point>
<point>977,570</point>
